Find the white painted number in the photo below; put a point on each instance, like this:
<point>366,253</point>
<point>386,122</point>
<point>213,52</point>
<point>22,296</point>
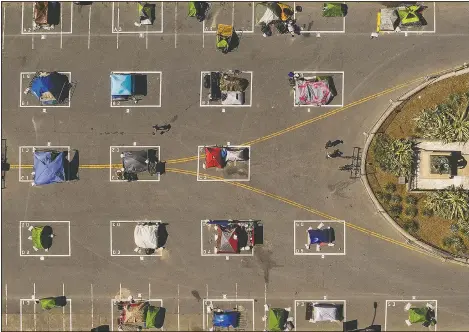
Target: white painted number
<point>116,252</point>
<point>391,304</point>
<point>116,224</point>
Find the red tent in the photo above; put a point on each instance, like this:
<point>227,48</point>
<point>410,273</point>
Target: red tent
<point>213,157</point>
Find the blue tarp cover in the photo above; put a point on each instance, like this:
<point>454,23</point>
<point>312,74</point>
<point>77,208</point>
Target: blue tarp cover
<point>318,236</point>
<point>226,319</point>
<point>54,83</point>
<point>121,85</point>
<point>46,170</point>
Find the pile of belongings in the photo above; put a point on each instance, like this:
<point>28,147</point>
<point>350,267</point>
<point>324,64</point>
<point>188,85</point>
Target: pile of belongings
<point>48,167</point>
<point>50,88</point>
<point>316,91</point>
<point>233,236</point>
<point>46,15</point>
<point>233,89</point>
<point>146,12</point>
<point>333,9</point>
<point>273,13</point>
<point>219,156</point>
<point>139,314</point>
<point>324,312</point>
<point>199,10</point>
<point>402,17</point>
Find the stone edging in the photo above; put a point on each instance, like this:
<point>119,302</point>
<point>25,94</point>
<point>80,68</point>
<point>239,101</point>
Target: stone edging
<point>464,69</point>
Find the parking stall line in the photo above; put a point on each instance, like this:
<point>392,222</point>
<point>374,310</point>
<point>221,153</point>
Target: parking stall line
<point>179,321</point>
<point>6,304</point>
<point>61,28</point>
<point>92,307</point>
<point>176,25</point>
<point>63,308</point>
<point>146,38</point>
<point>89,27</point>
<point>3,30</point>
<point>232,14</point>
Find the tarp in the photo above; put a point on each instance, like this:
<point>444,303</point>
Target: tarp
<point>226,319</point>
<point>51,88</point>
<point>134,313</point>
<point>213,157</point>
<point>233,154</point>
<point>146,11</point>
<point>146,236</point>
<point>277,319</point>
<point>48,167</point>
<point>333,9</point>
<point>36,233</point>
<point>226,242</point>
<point>326,312</point>
<point>410,16</point>
<point>48,303</point>
<point>233,83</point>
<point>312,92</point>
<point>135,161</point>
<point>152,314</point>
<point>192,9</point>
<point>41,9</point>
<point>320,236</point>
<point>272,11</point>
<point>389,19</point>
<point>121,85</point>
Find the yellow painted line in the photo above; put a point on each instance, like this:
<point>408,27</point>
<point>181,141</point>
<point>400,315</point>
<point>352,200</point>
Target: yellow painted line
<point>304,207</point>
<point>378,21</point>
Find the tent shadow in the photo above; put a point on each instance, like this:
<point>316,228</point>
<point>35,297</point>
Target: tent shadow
<point>162,235</point>
<point>72,167</point>
<point>159,320</point>
<point>259,234</point>
<point>61,301</point>
<point>46,239</point>
<point>101,328</point>
<point>141,84</point>
<point>234,44</point>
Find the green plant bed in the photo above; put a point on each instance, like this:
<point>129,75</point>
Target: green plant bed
<point>414,217</point>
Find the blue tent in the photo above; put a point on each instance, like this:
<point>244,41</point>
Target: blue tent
<point>47,168</point>
<point>226,319</point>
<point>55,84</point>
<point>121,85</point>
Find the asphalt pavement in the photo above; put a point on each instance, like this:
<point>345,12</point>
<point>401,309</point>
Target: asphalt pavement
<point>291,166</point>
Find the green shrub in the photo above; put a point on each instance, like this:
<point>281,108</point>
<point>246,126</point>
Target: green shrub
<point>411,227</point>
<point>427,212</point>
<point>396,199</point>
<point>395,210</point>
<point>395,156</point>
<point>454,228</point>
<point>383,197</point>
<point>390,187</point>
<point>455,243</point>
<point>411,200</point>
<point>411,211</point>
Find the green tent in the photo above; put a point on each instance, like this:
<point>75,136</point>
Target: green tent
<point>146,12</point>
<point>333,9</point>
<point>48,303</point>
<point>192,10</point>
<point>36,233</point>
<point>154,317</point>
<point>421,315</point>
<point>410,16</point>
<point>277,319</point>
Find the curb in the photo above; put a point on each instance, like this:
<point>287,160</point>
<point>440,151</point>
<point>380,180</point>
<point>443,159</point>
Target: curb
<point>429,80</point>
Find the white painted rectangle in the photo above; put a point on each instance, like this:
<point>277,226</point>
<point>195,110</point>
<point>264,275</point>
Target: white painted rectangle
<point>207,178</point>
<point>31,74</point>
<point>204,253</point>
<point>315,73</point>
<point>302,303</point>
<point>300,253</point>
<point>388,302</point>
<point>119,103</point>
<point>206,302</point>
<point>28,177</point>
<point>117,149</point>
<point>203,103</point>
<point>25,12</point>
<point>115,252</point>
<point>320,31</point>
<point>30,301</point>
<point>31,253</point>
<point>118,30</point>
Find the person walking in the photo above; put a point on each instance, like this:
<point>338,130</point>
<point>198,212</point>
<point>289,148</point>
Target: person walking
<point>330,144</point>
<point>336,153</point>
